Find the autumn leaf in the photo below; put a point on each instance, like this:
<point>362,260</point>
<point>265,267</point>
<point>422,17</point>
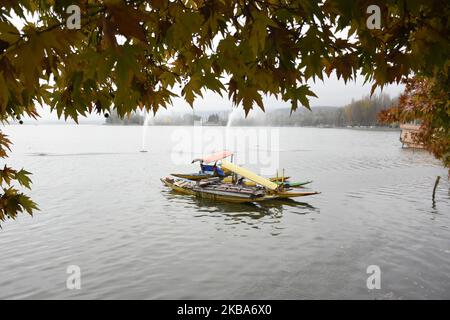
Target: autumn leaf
<point>127,20</point>
<point>22,177</point>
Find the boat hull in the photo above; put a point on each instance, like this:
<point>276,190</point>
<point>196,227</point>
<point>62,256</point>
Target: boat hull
<point>226,196</point>
<point>212,196</point>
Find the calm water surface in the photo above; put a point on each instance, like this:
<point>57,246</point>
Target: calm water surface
<point>104,209</point>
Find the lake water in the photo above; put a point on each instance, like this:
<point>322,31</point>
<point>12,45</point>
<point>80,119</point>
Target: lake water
<point>104,209</point>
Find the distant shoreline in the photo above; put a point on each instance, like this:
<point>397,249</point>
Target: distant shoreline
<point>367,128</point>
<point>362,128</point>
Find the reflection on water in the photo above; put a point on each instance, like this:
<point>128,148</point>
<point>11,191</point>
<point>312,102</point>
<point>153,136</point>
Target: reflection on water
<point>104,208</point>
<point>270,211</point>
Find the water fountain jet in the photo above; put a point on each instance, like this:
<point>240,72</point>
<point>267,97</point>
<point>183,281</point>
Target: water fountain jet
<point>144,130</point>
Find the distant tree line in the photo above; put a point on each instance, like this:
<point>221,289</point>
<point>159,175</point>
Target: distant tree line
<point>139,119</point>
<point>217,119</point>
<point>365,112</point>
<point>362,112</point>
<point>133,119</point>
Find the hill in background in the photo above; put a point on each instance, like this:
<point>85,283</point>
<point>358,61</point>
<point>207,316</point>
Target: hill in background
<point>361,112</point>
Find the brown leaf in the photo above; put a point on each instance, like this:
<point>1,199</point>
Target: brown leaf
<point>127,21</point>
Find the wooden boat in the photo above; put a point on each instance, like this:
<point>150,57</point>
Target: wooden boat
<point>215,189</point>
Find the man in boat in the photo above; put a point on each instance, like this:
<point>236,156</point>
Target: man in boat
<point>212,169</point>
<point>208,167</point>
